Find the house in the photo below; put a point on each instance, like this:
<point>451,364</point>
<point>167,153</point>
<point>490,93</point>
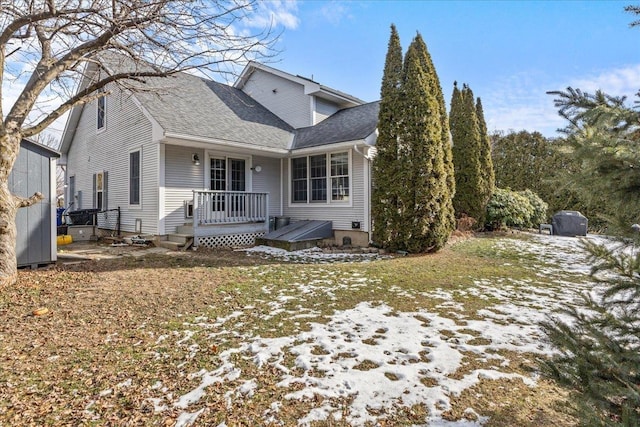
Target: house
<point>222,163</point>
<point>35,171</point>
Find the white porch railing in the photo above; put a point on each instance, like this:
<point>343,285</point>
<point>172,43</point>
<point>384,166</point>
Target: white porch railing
<point>229,207</point>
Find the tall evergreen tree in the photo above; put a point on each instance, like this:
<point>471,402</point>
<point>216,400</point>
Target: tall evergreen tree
<point>436,89</point>
<point>465,132</point>
<point>384,204</point>
<point>425,200</point>
<point>486,162</point>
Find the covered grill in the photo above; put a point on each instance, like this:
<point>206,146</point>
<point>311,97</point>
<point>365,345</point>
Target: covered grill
<point>569,223</point>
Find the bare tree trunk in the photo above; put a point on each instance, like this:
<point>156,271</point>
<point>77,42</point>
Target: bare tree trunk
<point>9,205</point>
<point>8,210</point>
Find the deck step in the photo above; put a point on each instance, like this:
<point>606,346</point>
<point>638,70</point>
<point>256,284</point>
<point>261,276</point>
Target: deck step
<point>176,242</point>
<point>174,246</point>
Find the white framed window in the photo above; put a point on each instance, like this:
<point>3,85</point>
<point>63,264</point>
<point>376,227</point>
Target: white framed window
<point>101,110</point>
<point>100,185</point>
<point>135,168</point>
<point>340,177</point>
<point>320,178</point>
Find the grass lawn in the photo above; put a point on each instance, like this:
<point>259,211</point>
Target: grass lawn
<point>234,338</point>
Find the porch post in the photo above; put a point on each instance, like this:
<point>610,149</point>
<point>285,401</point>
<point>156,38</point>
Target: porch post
<point>266,213</point>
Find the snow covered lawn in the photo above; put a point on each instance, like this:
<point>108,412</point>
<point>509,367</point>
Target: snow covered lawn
<point>368,362</point>
<point>263,337</point>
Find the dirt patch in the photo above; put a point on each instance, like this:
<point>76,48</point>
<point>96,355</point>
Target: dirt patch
<point>103,305</point>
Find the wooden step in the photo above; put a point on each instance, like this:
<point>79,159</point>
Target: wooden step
<point>174,246</point>
<point>176,242</point>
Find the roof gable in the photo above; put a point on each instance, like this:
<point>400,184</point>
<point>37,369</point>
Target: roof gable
<point>311,87</point>
<point>184,104</point>
<point>193,106</point>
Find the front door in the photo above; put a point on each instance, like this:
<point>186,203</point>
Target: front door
<point>228,174</point>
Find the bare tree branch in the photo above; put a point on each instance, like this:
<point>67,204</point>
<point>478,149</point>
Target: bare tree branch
<point>175,35</point>
<point>22,202</point>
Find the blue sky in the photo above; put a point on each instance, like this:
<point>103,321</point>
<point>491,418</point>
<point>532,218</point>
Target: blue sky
<point>509,52</point>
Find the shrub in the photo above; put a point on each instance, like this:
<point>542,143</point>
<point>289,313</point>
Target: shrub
<point>539,206</point>
<point>520,209</point>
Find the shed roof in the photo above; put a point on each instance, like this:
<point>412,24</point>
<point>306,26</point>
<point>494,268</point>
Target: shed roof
<point>43,150</point>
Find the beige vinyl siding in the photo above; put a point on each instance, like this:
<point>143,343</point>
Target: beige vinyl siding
<point>324,109</point>
<point>287,102</point>
<point>341,215</point>
<point>181,178</point>
<point>268,181</point>
<point>126,130</point>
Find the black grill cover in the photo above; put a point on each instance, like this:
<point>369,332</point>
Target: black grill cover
<point>569,223</point>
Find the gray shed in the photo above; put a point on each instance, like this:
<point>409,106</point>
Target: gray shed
<point>35,170</point>
<point>569,223</point>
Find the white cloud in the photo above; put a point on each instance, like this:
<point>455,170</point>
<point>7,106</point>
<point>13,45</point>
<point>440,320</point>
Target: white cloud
<point>520,101</point>
<point>334,12</point>
<point>618,82</point>
<point>275,13</point>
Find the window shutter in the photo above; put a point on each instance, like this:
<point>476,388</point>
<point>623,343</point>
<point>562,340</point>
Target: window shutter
<point>95,199</point>
<point>105,188</point>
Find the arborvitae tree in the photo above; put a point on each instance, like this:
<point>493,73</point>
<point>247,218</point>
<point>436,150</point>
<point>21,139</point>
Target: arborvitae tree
<point>465,131</point>
<point>486,163</point>
<point>384,203</point>
<point>520,160</point>
<point>436,89</point>
<point>424,202</point>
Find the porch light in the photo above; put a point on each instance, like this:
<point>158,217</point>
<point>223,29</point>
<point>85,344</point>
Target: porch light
<point>195,159</point>
<point>257,168</point>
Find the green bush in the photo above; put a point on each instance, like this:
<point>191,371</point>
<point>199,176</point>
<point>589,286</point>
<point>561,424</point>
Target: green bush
<point>521,209</point>
<point>539,208</point>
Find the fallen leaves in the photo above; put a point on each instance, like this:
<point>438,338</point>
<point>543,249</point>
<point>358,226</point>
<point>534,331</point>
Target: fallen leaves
<point>40,311</point>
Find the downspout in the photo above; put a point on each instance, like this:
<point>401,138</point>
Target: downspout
<point>283,193</point>
<point>367,191</point>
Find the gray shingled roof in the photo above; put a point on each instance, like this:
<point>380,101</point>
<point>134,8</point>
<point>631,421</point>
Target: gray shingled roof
<point>185,104</point>
<point>349,124</point>
<point>193,106</point>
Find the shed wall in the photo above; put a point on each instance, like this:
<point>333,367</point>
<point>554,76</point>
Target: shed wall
<point>33,171</point>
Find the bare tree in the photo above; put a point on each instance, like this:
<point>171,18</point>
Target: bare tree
<point>49,45</point>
